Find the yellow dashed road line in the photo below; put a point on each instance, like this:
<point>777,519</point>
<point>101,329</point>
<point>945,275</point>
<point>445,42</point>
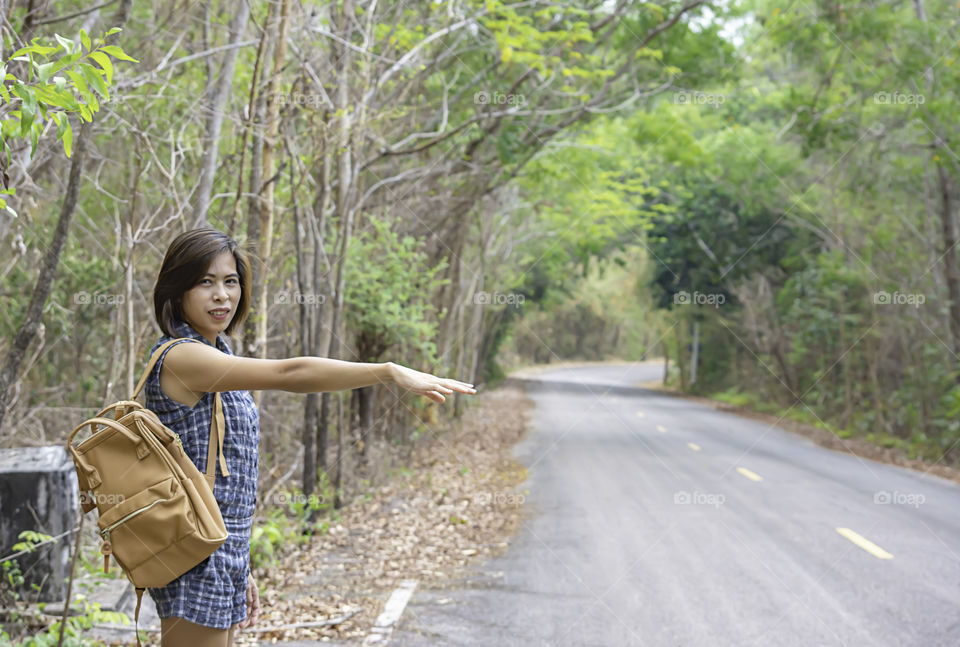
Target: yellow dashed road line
<point>639,414</point>
<point>694,446</point>
<point>865,544</point>
<point>750,475</point>
<point>661,429</point>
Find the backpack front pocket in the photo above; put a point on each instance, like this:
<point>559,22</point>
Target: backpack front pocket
<point>141,527</point>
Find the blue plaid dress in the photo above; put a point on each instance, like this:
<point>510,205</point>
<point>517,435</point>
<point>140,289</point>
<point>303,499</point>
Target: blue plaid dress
<point>213,593</point>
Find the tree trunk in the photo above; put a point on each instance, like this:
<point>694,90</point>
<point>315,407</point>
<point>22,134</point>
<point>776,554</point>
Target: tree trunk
<point>318,231</point>
<point>323,433</point>
<point>48,273</point>
<point>338,482</point>
<point>131,338</point>
<point>951,274</point>
<point>214,122</point>
<point>845,365</point>
<point>253,103</point>
<point>476,323</point>
<point>343,211</point>
<point>366,403</point>
<point>947,225</point>
<point>451,296</point>
<point>123,12</point>
<point>258,102</point>
<point>4,9</point>
<point>112,363</point>
<point>265,248</point>
<point>307,315</point>
<point>694,352</point>
<point>681,337</point>
<point>129,268</point>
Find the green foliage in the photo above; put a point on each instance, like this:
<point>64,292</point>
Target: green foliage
<point>58,80</point>
<point>44,84</point>
<point>806,192</point>
<point>388,288</point>
<point>75,628</point>
<point>29,539</point>
<point>287,522</point>
<point>609,314</point>
<point>12,580</point>
<point>267,538</point>
<point>599,200</point>
<point>947,426</point>
<point>730,213</point>
<point>528,40</point>
<point>11,573</point>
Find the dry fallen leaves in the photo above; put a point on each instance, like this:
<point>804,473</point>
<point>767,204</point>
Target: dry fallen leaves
<point>457,502</point>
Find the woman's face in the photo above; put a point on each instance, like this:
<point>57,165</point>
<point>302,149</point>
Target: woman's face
<point>211,304</point>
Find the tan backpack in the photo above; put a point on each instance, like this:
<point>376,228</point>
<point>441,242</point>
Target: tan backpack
<point>158,517</point>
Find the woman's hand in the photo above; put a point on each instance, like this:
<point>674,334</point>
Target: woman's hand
<point>253,603</point>
<point>426,384</point>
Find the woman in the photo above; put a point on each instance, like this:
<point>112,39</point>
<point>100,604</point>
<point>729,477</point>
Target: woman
<point>202,291</point>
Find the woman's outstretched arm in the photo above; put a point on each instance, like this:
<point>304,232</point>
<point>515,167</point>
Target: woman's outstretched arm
<point>202,368</point>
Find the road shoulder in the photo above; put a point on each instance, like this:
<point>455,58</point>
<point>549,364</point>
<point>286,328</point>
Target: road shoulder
<point>819,436</point>
<point>456,503</point>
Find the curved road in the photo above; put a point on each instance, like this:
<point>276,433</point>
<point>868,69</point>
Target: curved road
<point>652,520</point>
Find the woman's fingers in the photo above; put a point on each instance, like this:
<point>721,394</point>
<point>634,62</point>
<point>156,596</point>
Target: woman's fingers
<point>253,604</point>
<point>432,386</point>
<point>463,387</point>
<point>447,387</point>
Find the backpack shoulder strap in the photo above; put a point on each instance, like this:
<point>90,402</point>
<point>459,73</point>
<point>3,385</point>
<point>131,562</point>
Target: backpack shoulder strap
<point>215,446</point>
<point>153,362</point>
<point>136,615</point>
<point>217,422</point>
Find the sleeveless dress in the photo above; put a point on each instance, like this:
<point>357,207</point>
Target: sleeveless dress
<point>213,593</point>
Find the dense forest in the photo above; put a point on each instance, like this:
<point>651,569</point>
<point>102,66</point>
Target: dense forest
<point>763,193</point>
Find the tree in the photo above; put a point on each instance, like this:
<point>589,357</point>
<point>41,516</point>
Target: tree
<point>31,105</point>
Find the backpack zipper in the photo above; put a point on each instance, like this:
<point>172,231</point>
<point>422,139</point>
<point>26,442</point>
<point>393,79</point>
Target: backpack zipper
<point>107,549</point>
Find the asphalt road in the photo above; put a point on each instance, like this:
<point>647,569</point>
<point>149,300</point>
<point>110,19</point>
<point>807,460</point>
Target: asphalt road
<point>646,525</point>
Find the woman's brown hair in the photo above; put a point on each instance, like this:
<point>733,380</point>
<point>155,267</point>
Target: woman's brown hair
<point>187,260</point>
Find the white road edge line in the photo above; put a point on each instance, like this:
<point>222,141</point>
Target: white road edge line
<point>392,610</point>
